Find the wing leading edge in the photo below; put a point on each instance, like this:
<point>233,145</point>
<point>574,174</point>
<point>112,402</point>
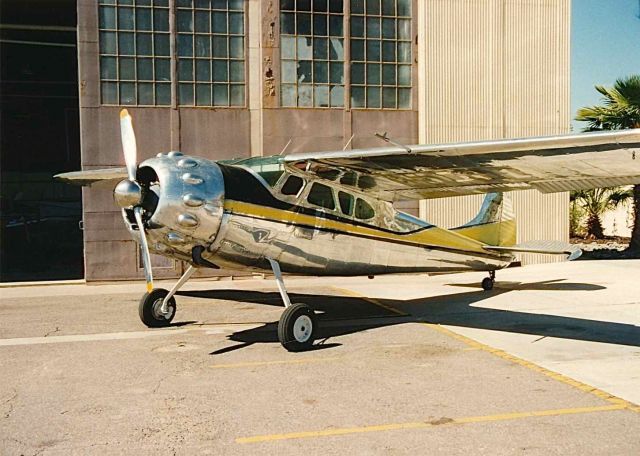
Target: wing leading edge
<point>547,164</point>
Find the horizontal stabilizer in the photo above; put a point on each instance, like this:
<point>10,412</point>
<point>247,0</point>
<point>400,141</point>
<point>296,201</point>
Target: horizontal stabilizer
<point>546,247</point>
<point>96,178</point>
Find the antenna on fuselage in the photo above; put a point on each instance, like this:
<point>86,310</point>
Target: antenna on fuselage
<point>348,142</point>
<point>386,138</point>
<point>286,146</point>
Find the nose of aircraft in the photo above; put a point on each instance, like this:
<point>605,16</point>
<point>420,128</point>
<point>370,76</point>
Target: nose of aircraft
<point>127,194</point>
<point>190,198</point>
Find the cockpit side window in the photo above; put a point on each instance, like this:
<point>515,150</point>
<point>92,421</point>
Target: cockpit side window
<point>322,196</point>
<point>292,185</point>
<point>346,203</point>
<point>364,211</point>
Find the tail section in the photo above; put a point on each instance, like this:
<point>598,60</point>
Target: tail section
<point>495,224</point>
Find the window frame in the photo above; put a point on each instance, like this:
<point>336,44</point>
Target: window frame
<point>297,38</point>
<point>404,95</point>
<point>308,193</point>
<point>173,82</point>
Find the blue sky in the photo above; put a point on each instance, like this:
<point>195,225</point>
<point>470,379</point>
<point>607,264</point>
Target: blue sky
<point>605,45</point>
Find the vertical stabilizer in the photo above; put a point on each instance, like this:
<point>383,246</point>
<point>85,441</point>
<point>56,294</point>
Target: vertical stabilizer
<point>495,223</point>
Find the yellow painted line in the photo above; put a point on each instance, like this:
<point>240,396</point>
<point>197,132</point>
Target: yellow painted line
<point>371,300</point>
<point>426,424</point>
<point>534,367</point>
<point>272,363</point>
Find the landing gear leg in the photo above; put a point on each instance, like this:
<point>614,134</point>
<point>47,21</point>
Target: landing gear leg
<point>297,326</point>
<point>487,282</point>
<point>158,307</point>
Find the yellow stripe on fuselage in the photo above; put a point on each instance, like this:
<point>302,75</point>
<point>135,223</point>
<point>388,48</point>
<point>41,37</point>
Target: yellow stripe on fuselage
<point>432,236</point>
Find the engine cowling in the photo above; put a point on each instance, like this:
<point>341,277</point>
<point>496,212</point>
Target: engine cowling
<point>185,203</point>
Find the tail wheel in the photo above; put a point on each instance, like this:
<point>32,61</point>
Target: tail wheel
<point>150,309</point>
<point>487,284</point>
<point>297,327</point>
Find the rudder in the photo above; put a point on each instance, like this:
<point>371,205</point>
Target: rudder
<point>495,223</point>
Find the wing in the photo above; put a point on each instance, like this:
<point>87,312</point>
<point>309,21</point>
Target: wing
<point>548,164</point>
<point>95,178</point>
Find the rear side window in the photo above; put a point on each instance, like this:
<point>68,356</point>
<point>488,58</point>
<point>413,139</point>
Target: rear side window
<point>322,196</point>
<point>292,185</point>
<point>364,211</point>
<point>346,203</point>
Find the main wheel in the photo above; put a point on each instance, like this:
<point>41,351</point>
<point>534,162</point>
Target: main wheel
<point>297,327</point>
<point>150,305</point>
<point>487,284</point>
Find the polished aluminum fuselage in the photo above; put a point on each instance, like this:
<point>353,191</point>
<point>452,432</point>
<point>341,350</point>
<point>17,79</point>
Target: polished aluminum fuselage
<point>196,208</point>
<point>248,242</point>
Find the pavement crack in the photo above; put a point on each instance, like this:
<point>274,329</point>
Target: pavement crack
<point>9,402</point>
<point>52,332</point>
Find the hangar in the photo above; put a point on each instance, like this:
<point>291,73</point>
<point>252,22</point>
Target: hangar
<point>294,75</point>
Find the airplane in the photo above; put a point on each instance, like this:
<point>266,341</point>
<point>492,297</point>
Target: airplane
<point>332,213</point>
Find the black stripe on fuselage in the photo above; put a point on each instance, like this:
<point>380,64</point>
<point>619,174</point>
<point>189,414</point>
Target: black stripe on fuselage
<point>241,185</point>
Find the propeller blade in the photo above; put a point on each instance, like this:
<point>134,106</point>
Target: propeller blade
<point>128,144</point>
<point>146,257</point>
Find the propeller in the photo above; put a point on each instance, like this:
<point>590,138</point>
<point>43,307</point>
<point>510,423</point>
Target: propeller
<point>128,193</point>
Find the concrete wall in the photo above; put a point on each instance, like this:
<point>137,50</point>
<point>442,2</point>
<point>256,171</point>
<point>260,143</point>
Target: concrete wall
<point>262,128</point>
<point>495,69</point>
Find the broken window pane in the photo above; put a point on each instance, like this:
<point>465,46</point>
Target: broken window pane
<point>304,72</point>
<point>304,95</point>
<point>336,73</point>
<point>337,96</point>
<point>288,47</point>
<point>304,48</point>
<point>336,49</point>
<point>321,96</point>
<point>288,95</point>
<point>288,71</point>
<point>357,97</point>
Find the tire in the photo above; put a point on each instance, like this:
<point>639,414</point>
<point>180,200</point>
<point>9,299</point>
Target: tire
<point>149,309</point>
<point>487,284</point>
<point>297,328</point>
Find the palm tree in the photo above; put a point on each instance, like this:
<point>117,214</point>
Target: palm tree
<point>596,202</point>
<point>620,109</point>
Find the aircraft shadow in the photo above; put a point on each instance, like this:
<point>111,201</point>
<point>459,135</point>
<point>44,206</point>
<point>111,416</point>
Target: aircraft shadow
<point>342,315</point>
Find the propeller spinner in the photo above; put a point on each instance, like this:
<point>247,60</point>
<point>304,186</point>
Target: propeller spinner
<point>128,193</point>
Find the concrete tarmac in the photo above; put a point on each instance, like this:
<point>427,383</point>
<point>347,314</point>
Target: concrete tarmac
<point>546,363</point>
